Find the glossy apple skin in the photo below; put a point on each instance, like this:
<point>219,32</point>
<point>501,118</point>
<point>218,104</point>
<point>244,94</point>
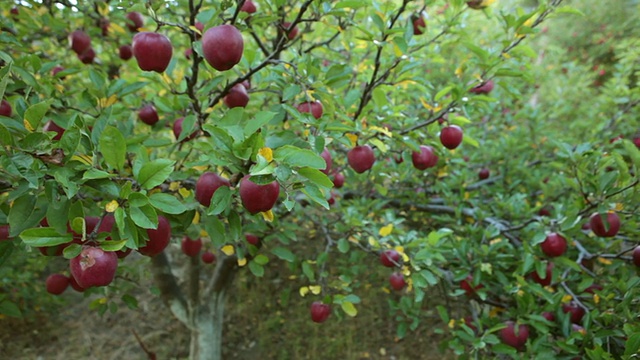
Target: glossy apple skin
<point>424,159</point>
<point>222,47</point>
<point>158,238</point>
<point>484,88</point>
<point>252,239</point>
<point>314,108</point>
<point>152,51</point>
<point>598,226</point>
<point>191,247</point>
<point>51,126</point>
<point>548,276</point>
<point>80,41</point>
<point>419,25</point>
<point>338,180</point>
<point>249,7</point>
<point>258,198</point>
<point>483,174</point>
<point>177,130</point>
<point>361,158</point>
<point>554,245</point>
<point>94,267</point>
<point>575,311</point>
<point>207,185</point>
<point>237,97</point>
<point>291,33</point>
<point>56,284</point>
<point>5,108</point>
<point>134,21</point>
<point>451,136</point>
<point>509,337</point>
<point>320,312</point>
<point>389,258</point>
<point>74,284</point>
<point>636,256</point>
<point>125,52</point>
<point>326,155</point>
<point>396,280</point>
<point>467,286</point>
<point>208,257</point>
<point>87,56</point>
<point>148,114</point>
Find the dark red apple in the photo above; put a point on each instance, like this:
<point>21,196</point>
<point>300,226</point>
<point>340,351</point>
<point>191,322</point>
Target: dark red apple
<point>514,338</point>
<point>549,316</point>
<point>5,108</point>
<point>191,247</point>
<point>467,286</point>
<point>252,239</point>
<point>104,24</point>
<point>483,174</point>
<point>424,159</point>
<point>94,267</point>
<point>188,53</point>
<point>483,88</point>
<point>125,52</point>
<point>338,180</point>
<point>158,238</point>
<point>207,185</point>
<point>237,97</point>
<point>249,7</point>
<point>123,253</point>
<point>4,232</point>
<point>546,281</point>
<point>418,24</point>
<point>200,26</point>
<point>575,310</point>
<point>361,158</point>
<point>222,47</point>
<point>311,107</point>
<point>389,258</point>
<point>451,136</point>
<point>636,256</point>
<point>148,114</point>
<point>320,312</point>
<point>291,33</point>
<point>258,198</point>
<point>554,245</point>
<point>598,226</point>
<point>153,51</point>
<point>51,126</point>
<point>80,41</point>
<point>593,288</point>
<point>246,84</point>
<point>177,130</point>
<point>74,284</point>
<point>396,280</point>
<point>326,155</point>
<point>56,284</point>
<point>134,21</point>
<point>14,11</point>
<point>87,56</point>
<point>208,257</point>
<point>636,141</point>
<point>56,70</point>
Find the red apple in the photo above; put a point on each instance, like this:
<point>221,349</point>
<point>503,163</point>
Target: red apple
<point>326,155</point>
<point>51,126</point>
<point>418,24</point>
<point>222,47</point>
<point>598,226</point>
<point>158,238</point>
<point>74,284</point>
<point>549,316</point>
<point>134,21</point>
<point>361,158</point>
<point>246,84</point>
<point>188,53</point>
<point>191,247</point>
<point>80,41</point>
<point>396,280</point>
<point>467,286</point>
<point>153,51</point>
<point>338,180</point>
<point>208,257</point>
<point>125,52</point>
<point>14,11</point>
<point>546,281</point>
<point>593,288</point>
<point>5,108</point>
<point>123,253</point>
<point>575,310</point>
<point>94,267</point>
<point>389,258</point>
<point>483,88</point>
<point>87,56</point>
<point>237,97</point>
<point>636,256</point>
<point>483,174</point>
<point>554,245</point>
<point>177,130</point>
<point>636,141</point>
<point>104,24</point>
<point>451,136</point>
<point>311,107</point>
<point>424,159</point>
<point>252,239</point>
<point>514,338</point>
<point>56,284</point>
<point>4,232</point>
<point>56,70</point>
<point>320,312</point>
<point>207,185</point>
<point>258,198</point>
<point>200,26</point>
<point>249,7</point>
<point>291,33</point>
<point>148,114</point>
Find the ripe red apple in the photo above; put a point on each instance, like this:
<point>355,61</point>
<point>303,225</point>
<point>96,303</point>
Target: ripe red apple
<point>554,245</point>
<point>338,180</point>
<point>191,247</point>
<point>208,257</point>
<point>252,239</point>
<point>207,185</point>
<point>575,310</point>
<point>598,226</point>
<point>222,47</point>
<point>311,107</point>
<point>177,130</point>
<point>246,84</point>
<point>593,288</point>
<point>87,56</point>
<point>56,70</point>
<point>291,33</point>
<point>544,212</point>
<point>4,232</point>
<point>361,158</point>
<point>5,108</point>
<point>123,253</point>
<point>389,258</point>
<point>467,286</point>
<point>51,126</point>
<point>74,284</point>
<point>258,198</point>
<point>546,281</point>
<point>320,312</point>
<point>483,174</point>
<point>418,24</point>
<point>125,52</point>
<point>56,284</point>
<point>636,141</point>
<point>451,136</point>
<point>158,238</point>
<point>249,7</point>
<point>237,97</point>
<point>396,280</point>
<point>188,53</point>
<point>200,26</point>
<point>636,256</point>
<point>549,316</point>
<point>148,114</point>
<point>153,51</point>
<point>134,21</point>
<point>104,24</point>
<point>94,267</point>
<point>14,11</point>
<point>513,338</point>
<point>80,41</point>
<point>326,155</point>
<point>332,198</point>
<point>424,159</point>
<point>483,88</point>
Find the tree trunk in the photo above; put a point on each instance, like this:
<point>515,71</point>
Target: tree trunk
<point>206,334</point>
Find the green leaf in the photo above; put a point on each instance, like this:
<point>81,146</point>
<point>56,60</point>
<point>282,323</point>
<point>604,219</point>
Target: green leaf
<point>155,173</point>
<point>632,346</point>
<point>71,251</point>
<point>22,209</point>
<point>260,119</point>
<point>314,193</point>
<point>10,309</point>
<point>131,301</point>
<point>5,78</point>
<point>36,112</point>
<point>145,217</point>
<point>6,248</point>
<point>94,174</point>
<point>113,245</point>
<point>256,269</point>
<point>316,176</point>
<point>349,308</point>
<point>261,259</point>
<point>284,254</point>
<point>39,237</point>
<point>220,201</point>
<point>138,199</point>
<point>113,147</point>
<point>295,156</point>
<point>290,92</point>
<point>215,229</point>
<point>167,203</point>
<point>443,92</point>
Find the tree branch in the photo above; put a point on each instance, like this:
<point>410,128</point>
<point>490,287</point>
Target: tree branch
<point>170,292</point>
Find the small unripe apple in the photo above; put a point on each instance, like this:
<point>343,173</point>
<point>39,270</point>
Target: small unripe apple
<point>514,338</point>
<point>207,185</point>
<point>418,24</point>
<point>361,158</point>
<point>546,281</point>
<point>252,239</point>
<point>326,155</point>
<point>575,310</point>
<point>87,56</point>
<point>396,280</point>
<point>320,312</point>
<point>249,7</point>
<point>134,21</point>
<point>598,226</point>
<point>554,245</point>
<point>153,51</point>
<point>291,33</point>
<point>158,238</point>
<point>338,180</point>
<point>51,126</point>
<point>424,159</point>
<point>94,267</point>
<point>258,198</point>
<point>148,114</point>
<point>311,107</point>
<point>222,47</point>
<point>5,108</point>
<point>451,136</point>
<point>191,247</point>
<point>177,130</point>
<point>125,52</point>
<point>389,258</point>
<point>483,174</point>
<point>80,41</point>
<point>237,97</point>
<point>208,257</point>
<point>484,88</point>
<point>56,284</point>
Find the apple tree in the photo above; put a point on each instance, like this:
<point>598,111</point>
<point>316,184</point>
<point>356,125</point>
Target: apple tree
<point>428,137</point>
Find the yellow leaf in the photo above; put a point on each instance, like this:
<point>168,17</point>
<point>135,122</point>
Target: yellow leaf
<point>103,9</point>
<point>242,262</point>
<point>567,298</point>
<point>266,153</point>
<point>304,291</point>
<point>495,241</point>
<point>228,250</point>
<point>384,289</point>
<point>305,133</point>
<point>27,125</point>
<point>112,206</point>
<point>85,159</point>
<point>353,138</point>
<point>442,172</point>
<point>174,185</point>
<point>397,51</point>
<point>619,207</point>
<point>349,308</point>
<point>286,125</point>
<point>604,261</point>
<point>385,230</point>
<point>426,104</point>
<point>506,55</point>
<point>315,289</point>
<point>114,28</point>
<point>184,192</point>
<point>106,102</point>
<point>267,216</point>
<point>200,167</point>
<point>373,242</point>
<point>196,218</point>
<point>166,78</point>
<point>520,293</point>
<point>596,298</point>
<point>452,323</point>
<point>495,311</point>
<point>204,233</point>
<point>382,130</point>
<point>458,72</point>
